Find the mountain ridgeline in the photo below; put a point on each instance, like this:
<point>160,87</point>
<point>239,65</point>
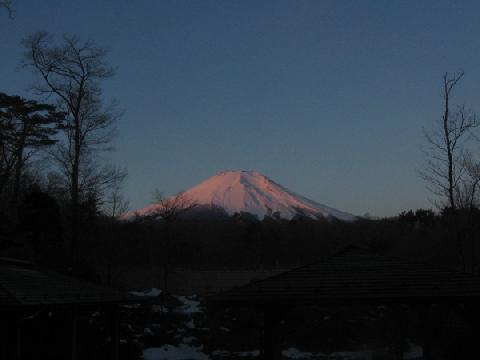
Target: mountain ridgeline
<point>253,193</point>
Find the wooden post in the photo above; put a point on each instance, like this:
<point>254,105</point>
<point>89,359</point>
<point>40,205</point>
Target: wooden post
<point>74,332</point>
<point>425,329</point>
<point>10,344</point>
<point>3,335</point>
<point>399,331</point>
<point>474,321</point>
<point>18,337</point>
<point>271,340</point>
<point>115,330</point>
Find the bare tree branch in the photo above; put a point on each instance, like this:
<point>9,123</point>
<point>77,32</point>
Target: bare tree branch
<point>170,208</point>
<point>72,70</point>
<point>445,168</point>
<point>8,5</point>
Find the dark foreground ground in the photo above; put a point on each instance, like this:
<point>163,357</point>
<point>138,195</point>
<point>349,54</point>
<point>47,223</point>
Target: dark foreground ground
<point>187,327</point>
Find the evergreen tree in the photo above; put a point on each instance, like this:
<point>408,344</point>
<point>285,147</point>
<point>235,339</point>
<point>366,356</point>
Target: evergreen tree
<point>26,126</point>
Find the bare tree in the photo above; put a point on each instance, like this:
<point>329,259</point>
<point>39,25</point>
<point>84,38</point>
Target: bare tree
<point>446,167</point>
<point>72,71</point>
<point>7,151</point>
<point>168,210</point>
<point>467,193</point>
<point>451,170</point>
<point>7,4</point>
<point>116,205</point>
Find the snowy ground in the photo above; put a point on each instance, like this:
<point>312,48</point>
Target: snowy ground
<point>190,352</point>
<point>148,292</point>
<point>186,344</point>
<point>171,352</point>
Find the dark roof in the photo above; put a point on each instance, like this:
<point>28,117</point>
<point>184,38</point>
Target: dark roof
<point>356,275</point>
<point>23,284</point>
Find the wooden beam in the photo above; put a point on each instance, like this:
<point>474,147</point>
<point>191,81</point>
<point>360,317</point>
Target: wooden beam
<point>474,322</point>
<point>271,340</point>
<point>3,335</point>
<point>115,330</point>
<point>18,336</point>
<point>74,333</point>
<point>399,318</point>
<point>425,330</point>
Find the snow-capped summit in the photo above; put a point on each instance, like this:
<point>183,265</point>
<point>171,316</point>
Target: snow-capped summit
<point>251,192</point>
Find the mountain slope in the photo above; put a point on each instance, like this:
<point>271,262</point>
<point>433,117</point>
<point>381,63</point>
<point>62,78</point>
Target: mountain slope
<point>252,192</point>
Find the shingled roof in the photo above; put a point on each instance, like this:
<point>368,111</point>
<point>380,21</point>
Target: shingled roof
<point>356,275</point>
<point>23,284</point>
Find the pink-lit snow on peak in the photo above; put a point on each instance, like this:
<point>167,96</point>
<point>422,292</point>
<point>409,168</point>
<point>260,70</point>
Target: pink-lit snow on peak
<point>252,192</point>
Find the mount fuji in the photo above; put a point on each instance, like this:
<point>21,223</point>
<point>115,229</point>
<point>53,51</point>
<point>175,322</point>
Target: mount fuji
<point>254,193</point>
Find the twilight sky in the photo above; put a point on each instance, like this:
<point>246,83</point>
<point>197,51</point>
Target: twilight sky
<point>327,98</point>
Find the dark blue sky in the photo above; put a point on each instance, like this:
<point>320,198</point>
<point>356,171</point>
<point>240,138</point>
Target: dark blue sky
<point>327,98</point>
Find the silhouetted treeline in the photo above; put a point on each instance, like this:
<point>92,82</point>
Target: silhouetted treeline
<point>241,241</point>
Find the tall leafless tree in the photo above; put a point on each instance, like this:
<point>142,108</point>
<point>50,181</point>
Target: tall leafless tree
<point>72,71</point>
<point>468,191</point>
<point>7,152</point>
<point>7,4</point>
<point>445,150</point>
<point>169,209</point>
<point>115,205</point>
<point>450,170</point>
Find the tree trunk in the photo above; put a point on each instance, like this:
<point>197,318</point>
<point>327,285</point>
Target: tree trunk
<point>18,173</point>
<point>75,206</point>
<point>448,143</point>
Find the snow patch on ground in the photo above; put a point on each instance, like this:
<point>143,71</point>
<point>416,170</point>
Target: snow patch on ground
<point>248,353</point>
<point>416,352</point>
<point>189,339</point>
<point>221,353</point>
<point>159,309</point>
<point>171,352</point>
<point>189,304</point>
<point>147,292</point>
<point>190,324</point>
<point>294,353</point>
<point>226,353</point>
